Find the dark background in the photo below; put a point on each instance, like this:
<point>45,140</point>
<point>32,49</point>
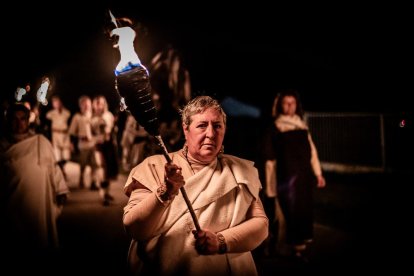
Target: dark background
<point>350,58</point>
<point>340,58</point>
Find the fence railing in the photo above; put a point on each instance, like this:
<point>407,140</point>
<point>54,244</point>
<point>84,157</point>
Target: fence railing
<point>361,142</point>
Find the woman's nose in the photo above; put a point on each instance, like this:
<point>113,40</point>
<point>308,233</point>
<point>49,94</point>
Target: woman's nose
<point>210,132</point>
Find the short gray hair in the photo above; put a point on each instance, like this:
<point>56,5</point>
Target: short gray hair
<point>199,105</point>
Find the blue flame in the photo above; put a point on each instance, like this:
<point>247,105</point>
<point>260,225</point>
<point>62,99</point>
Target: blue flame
<point>128,67</point>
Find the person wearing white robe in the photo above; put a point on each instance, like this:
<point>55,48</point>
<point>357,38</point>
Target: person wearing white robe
<point>223,191</point>
<point>33,188</point>
<point>59,117</point>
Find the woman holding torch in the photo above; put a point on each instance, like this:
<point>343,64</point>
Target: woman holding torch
<point>223,190</point>
<point>208,230</point>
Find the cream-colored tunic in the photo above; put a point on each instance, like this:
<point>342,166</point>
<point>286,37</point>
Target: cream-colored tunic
<point>225,198</point>
<point>31,180</point>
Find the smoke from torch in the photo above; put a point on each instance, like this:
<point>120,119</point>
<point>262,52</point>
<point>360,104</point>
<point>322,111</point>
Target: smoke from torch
<point>133,85</point>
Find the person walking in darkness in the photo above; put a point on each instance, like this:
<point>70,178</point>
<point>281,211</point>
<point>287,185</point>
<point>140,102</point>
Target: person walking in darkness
<point>32,194</point>
<point>59,117</point>
<point>292,168</point>
<point>83,143</point>
<point>102,124</point>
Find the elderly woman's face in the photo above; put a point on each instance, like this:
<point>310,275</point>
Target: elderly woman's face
<point>205,135</point>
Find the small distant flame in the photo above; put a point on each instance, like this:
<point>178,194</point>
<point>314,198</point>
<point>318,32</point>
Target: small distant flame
<point>19,93</point>
<point>402,123</point>
<point>42,91</point>
<point>126,37</point>
<point>122,104</point>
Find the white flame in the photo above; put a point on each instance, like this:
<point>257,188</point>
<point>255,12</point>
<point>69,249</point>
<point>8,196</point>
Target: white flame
<point>113,18</point>
<point>129,57</point>
<point>42,91</point>
<point>122,104</point>
<point>19,93</point>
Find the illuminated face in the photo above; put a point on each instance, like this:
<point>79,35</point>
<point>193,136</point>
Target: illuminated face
<point>205,135</point>
<point>20,123</point>
<point>85,106</point>
<point>56,103</point>
<point>99,105</point>
<point>289,105</point>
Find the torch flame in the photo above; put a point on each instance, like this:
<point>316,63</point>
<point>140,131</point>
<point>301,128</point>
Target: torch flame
<point>113,19</point>
<point>126,37</point>
<point>129,58</point>
<point>19,93</point>
<point>42,91</point>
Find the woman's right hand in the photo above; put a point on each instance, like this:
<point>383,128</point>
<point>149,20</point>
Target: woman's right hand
<point>174,180</point>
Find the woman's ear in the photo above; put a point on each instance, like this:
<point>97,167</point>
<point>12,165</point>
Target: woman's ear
<point>185,129</point>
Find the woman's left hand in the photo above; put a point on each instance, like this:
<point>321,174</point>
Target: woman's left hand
<point>321,181</point>
<point>206,242</point>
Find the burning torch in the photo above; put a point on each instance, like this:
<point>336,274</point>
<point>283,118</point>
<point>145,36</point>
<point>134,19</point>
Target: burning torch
<point>133,85</point>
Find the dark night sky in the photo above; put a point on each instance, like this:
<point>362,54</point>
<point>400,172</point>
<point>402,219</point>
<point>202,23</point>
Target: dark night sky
<point>340,58</point>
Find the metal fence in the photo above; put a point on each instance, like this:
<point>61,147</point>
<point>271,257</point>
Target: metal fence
<point>358,142</point>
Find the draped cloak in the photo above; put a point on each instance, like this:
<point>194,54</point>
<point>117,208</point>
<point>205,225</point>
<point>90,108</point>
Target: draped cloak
<point>30,182</point>
<point>221,194</point>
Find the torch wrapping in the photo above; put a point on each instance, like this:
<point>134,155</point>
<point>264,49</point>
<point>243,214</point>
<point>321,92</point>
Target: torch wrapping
<point>134,86</point>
